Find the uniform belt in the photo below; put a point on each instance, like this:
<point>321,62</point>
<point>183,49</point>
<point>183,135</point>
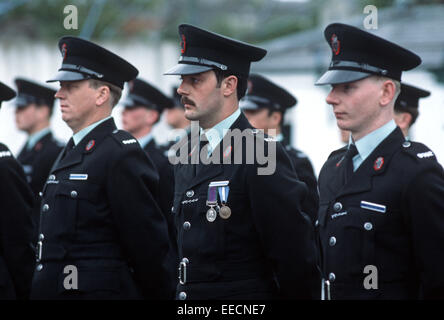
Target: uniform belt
<point>222,271</point>
<point>52,251</point>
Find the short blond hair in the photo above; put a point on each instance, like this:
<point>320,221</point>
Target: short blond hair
<point>396,82</point>
<point>115,91</point>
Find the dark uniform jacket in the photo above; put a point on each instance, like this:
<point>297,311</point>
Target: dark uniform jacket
<point>16,255</point>
<point>99,215</point>
<point>389,215</point>
<point>165,194</point>
<point>166,177</point>
<point>36,163</point>
<point>264,250</point>
<point>305,172</point>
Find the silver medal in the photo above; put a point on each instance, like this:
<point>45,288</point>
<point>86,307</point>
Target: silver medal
<point>211,215</point>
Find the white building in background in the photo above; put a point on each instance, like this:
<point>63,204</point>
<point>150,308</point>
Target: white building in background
<point>294,62</point>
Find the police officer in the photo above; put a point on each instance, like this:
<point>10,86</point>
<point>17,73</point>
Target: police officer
<point>175,115</point>
<point>381,197</point>
<point>241,232</point>
<point>102,235</point>
<point>34,105</point>
<point>142,109</point>
<point>407,106</point>
<point>16,229</point>
<point>265,105</point>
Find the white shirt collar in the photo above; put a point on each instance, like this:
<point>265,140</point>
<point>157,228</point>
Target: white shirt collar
<point>82,133</point>
<point>143,141</point>
<point>35,137</point>
<point>217,133</point>
<point>368,143</point>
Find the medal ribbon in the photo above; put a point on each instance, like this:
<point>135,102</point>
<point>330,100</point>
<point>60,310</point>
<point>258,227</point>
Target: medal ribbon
<point>223,193</point>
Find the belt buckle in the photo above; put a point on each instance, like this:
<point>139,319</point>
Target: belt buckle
<point>39,251</point>
<point>325,291</point>
<point>183,271</point>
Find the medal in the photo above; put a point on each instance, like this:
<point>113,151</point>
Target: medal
<point>211,202</point>
<point>211,215</point>
<point>214,188</point>
<point>225,211</point>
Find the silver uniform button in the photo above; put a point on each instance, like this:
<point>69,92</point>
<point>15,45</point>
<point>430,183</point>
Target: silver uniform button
<point>41,237</point>
<point>73,194</point>
<point>45,207</point>
<point>406,144</point>
<point>172,209</point>
<point>337,206</point>
<point>39,267</point>
<point>52,177</point>
<point>186,225</point>
<point>316,223</point>
<point>331,277</point>
<point>40,194</point>
<point>368,226</point>
<point>332,241</point>
<point>190,193</point>
<point>182,296</point>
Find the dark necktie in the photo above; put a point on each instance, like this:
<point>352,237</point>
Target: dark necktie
<point>69,147</point>
<point>348,161</point>
<point>203,145</point>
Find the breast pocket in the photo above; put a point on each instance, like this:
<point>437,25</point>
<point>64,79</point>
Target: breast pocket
<point>72,201</point>
<point>359,232</point>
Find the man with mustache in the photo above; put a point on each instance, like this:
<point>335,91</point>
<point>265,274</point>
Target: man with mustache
<point>102,234</point>
<point>241,233</point>
<point>16,227</point>
<point>381,214</point>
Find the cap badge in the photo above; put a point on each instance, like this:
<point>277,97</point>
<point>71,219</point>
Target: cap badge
<point>183,44</point>
<point>227,151</point>
<point>335,44</point>
<point>379,162</point>
<point>90,145</point>
<point>38,146</point>
<point>64,51</point>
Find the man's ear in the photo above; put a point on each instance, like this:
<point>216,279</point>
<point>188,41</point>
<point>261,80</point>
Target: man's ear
<point>275,118</point>
<point>103,95</point>
<point>388,92</point>
<point>229,85</point>
<point>152,116</point>
<point>403,120</point>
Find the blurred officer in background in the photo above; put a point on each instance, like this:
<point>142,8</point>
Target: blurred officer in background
<point>34,105</point>
<point>102,235</point>
<point>407,107</point>
<point>142,110</point>
<point>265,105</point>
<point>241,232</point>
<point>175,115</point>
<point>381,215</point>
<point>16,228</point>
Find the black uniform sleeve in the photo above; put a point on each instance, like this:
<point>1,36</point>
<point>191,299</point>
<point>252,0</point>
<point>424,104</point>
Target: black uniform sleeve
<point>141,225</point>
<point>16,228</point>
<point>286,232</point>
<point>306,174</point>
<point>425,207</point>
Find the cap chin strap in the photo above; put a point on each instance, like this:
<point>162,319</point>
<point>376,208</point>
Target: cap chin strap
<point>77,68</point>
<point>202,61</point>
<point>339,64</point>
